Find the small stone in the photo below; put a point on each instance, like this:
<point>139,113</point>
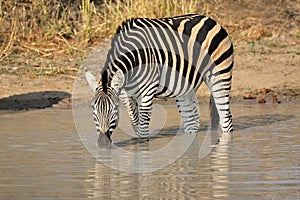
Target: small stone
<point>265,90</point>
<point>249,95</point>
<point>260,100</point>
<point>275,100</point>
<point>258,91</point>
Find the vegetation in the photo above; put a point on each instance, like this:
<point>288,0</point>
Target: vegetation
<point>44,37</point>
<point>60,27</point>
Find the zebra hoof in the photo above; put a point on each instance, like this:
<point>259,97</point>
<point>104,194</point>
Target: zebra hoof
<point>143,140</point>
<point>191,130</point>
<point>226,130</point>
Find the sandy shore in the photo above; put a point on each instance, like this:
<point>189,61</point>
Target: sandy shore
<point>253,73</point>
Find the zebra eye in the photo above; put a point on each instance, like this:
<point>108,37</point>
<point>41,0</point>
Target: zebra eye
<point>116,108</point>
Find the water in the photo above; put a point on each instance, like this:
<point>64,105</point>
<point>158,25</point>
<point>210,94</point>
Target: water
<point>42,157</point>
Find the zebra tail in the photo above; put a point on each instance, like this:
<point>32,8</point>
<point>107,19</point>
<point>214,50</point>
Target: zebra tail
<point>214,115</point>
<point>211,138</point>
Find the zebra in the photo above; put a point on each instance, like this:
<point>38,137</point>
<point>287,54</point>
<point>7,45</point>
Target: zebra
<point>164,58</point>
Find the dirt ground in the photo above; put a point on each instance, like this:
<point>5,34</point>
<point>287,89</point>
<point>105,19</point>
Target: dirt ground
<point>266,39</point>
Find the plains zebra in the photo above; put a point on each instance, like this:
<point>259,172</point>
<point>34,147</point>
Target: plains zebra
<point>164,58</point>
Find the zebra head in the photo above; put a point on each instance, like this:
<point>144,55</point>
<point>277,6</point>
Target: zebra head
<point>105,108</point>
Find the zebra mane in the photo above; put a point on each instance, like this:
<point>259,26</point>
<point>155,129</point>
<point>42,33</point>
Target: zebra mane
<point>104,80</point>
<point>126,25</point>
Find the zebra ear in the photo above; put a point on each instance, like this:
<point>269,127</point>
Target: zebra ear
<point>90,78</point>
<point>117,81</point>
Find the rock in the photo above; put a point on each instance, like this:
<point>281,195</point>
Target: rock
<point>256,31</point>
<point>249,95</point>
<point>275,100</point>
<point>257,91</point>
<point>265,90</point>
<point>260,100</point>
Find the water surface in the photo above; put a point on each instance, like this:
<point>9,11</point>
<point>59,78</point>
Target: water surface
<point>42,157</point>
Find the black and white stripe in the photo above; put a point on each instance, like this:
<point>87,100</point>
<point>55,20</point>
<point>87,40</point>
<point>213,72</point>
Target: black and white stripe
<point>105,109</point>
<point>168,58</point>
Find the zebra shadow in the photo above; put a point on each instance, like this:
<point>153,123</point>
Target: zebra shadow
<point>240,123</point>
<point>35,100</point>
<point>164,133</point>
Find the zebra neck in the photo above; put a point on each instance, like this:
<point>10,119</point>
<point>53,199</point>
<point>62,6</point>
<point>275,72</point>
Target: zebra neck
<point>113,79</point>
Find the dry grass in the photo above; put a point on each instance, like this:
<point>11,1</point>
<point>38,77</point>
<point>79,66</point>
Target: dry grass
<point>32,26</point>
<point>49,29</point>
<point>115,13</point>
<point>57,31</point>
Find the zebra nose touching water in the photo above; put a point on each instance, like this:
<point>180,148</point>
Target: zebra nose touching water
<point>163,58</point>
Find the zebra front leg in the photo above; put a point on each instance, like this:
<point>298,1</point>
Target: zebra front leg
<point>188,109</point>
<point>132,109</point>
<point>145,111</point>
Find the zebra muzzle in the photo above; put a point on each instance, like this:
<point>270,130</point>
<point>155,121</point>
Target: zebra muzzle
<point>104,140</point>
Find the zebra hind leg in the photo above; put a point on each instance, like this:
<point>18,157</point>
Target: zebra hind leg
<point>188,109</point>
<point>220,103</point>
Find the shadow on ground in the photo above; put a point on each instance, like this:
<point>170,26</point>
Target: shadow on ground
<point>35,100</point>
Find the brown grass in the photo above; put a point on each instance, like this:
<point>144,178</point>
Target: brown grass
<point>49,29</point>
<point>52,36</point>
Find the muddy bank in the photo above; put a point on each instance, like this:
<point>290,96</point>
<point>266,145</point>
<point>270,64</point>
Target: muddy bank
<point>62,99</point>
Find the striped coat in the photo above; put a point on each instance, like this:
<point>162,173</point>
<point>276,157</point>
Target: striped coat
<point>168,58</point>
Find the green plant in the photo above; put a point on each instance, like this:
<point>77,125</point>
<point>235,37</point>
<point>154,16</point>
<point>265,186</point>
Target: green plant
<point>251,46</point>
